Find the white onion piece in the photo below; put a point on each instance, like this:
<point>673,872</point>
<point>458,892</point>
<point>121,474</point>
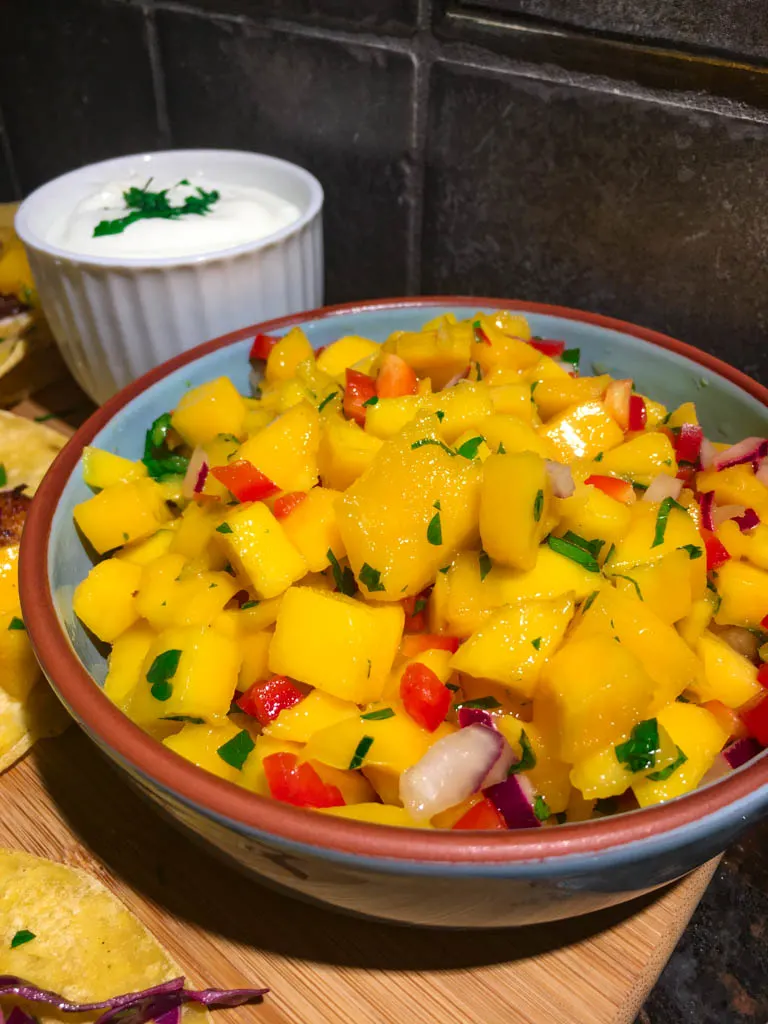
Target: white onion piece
<point>720,768</point>
<point>663,486</point>
<point>451,770</point>
<point>500,770</point>
<point>708,454</point>
<point>723,512</point>
<point>731,456</point>
<point>762,473</point>
<point>561,478</point>
<point>255,379</point>
<point>197,471</point>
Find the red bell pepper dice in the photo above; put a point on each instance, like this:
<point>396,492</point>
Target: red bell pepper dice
<point>298,784</point>
<point>424,697</point>
<point>481,815</point>
<point>242,479</point>
<point>262,346</point>
<point>621,490</point>
<point>396,378</point>
<point>359,389</point>
<point>756,720</point>
<point>265,700</point>
<point>415,613</point>
<point>548,348</point>
<point>688,443</point>
<point>762,675</point>
<point>717,553</point>
<point>638,414</point>
<point>286,503</point>
<point>416,643</point>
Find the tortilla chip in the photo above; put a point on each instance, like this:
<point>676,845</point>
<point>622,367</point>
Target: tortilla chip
<point>22,723</point>
<point>87,945</point>
<point>26,450</point>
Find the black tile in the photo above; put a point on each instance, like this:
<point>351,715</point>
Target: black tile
<point>340,110</point>
<point>7,183</point>
<point>739,26</point>
<point>75,84</point>
<point>601,201</point>
<point>390,16</point>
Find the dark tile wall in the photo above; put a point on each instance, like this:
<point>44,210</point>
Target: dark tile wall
<point>609,154</point>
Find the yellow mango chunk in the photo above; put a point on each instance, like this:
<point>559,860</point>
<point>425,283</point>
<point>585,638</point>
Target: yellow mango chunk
<point>552,576</point>
<point>743,591</point>
<point>388,416</point>
<point>292,349</point>
<point>555,396</point>
<point>346,648</point>
<point>345,352</point>
<point>102,469</point>
<point>591,513</point>
<point>376,814</point>
<point>439,354</point>
<point>699,735</point>
<point>512,646</point>
<point>317,711</point>
<point>512,434</point>
<point>549,776</point>
<point>439,661</point>
<point>207,410</point>
<point>640,459</point>
<point>353,785</point>
<point>201,685</point>
<point>466,406</point>
<point>19,670</point>
<point>515,508</point>
<point>125,662</point>
<point>253,776</point>
<point>581,432</point>
<point>345,452</point>
<point>752,545</point>
<point>165,600</point>
<point>254,649</point>
<point>664,585</point>
<point>592,692</point>
<point>286,450</point>
<point>736,485</point>
<point>601,775</point>
<point>9,578</point>
<point>638,547</point>
<point>696,621</point>
<point>251,618</point>
<point>259,550</point>
<point>728,676</point>
<point>201,744</point>
<point>142,552</point>
<point>122,513</point>
<point>404,519</point>
<point>105,601</point>
<point>313,529</point>
<point>685,413</point>
<point>513,399</point>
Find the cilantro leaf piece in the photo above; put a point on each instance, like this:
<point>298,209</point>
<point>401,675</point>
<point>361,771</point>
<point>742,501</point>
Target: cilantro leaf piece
<point>693,550</point>
<point>528,760</point>
<point>235,751</point>
<point>326,400</point>
<point>440,414</point>
<point>361,750</point>
<point>189,719</point>
<point>635,584</point>
<point>435,531</point>
<point>371,578</point>
<point>249,604</point>
<point>469,449</point>
<point>538,505</point>
<point>639,751</point>
<point>536,643</point>
<point>379,715</point>
<point>161,671</point>
<point>373,400</point>
<point>343,578</point>
<point>541,808</point>
<point>16,623</point>
<point>575,552</point>
<point>485,565</point>
<point>572,356</point>
<point>224,528</point>
<point>3,475</point>
<point>431,440</point>
<point>665,773</point>
<point>588,603</point>
<point>661,519</point>
<point>22,937</point>
<point>486,703</point>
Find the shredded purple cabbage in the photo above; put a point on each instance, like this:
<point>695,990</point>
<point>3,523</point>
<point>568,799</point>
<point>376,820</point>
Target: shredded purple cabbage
<point>161,1003</point>
<point>18,1016</point>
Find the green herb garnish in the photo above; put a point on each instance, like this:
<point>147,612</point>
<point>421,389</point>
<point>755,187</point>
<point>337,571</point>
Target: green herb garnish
<point>693,551</point>
<point>371,578</point>
<point>534,385</point>
<point>501,450</point>
<point>440,414</point>
<point>435,530</point>
<point>486,703</point>
<point>451,686</point>
<point>373,400</point>
<point>541,808</point>
<point>469,449</point>
<point>431,440</point>
<point>162,670</point>
<point>665,773</point>
<point>146,205</point>
<point>249,604</point>
<point>639,751</point>
<point>326,400</point>
<point>16,623</point>
<point>186,718</point>
<point>160,461</point>
<point>661,519</point>
<point>445,569</point>
<point>343,578</point>
<point>588,603</point>
<point>572,356</point>
<point>224,528</point>
<point>22,937</point>
<point>635,584</point>
<point>575,552</point>
<point>420,605</point>
<point>536,644</point>
<point>235,751</point>
<point>538,505</point>
<point>598,457</point>
<point>378,716</point>
<point>485,565</point>
<point>361,750</point>
<point>3,475</point>
<point>528,759</point>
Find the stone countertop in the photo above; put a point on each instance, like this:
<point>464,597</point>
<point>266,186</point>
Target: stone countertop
<point>718,973</point>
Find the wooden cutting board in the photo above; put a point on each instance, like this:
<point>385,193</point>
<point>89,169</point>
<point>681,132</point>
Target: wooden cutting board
<point>65,802</point>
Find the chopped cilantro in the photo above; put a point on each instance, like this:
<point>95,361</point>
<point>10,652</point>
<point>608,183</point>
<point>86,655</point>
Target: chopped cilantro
<point>451,686</point>
<point>436,505</point>
<point>528,759</point>
<point>420,605</point>
<point>661,519</point>
<point>594,547</point>
<point>575,552</point>
<point>3,475</point>
<point>501,450</point>
<point>611,549</point>
<point>639,751</point>
<point>435,531</point>
<point>162,670</point>
<point>361,750</point>
<point>143,205</point>
<point>665,773</point>
<point>373,400</point>
<point>160,461</point>
<point>536,643</point>
<point>541,808</point>
<point>186,718</point>
<point>224,528</point>
<point>371,578</point>
<point>440,414</point>
<point>326,400</point>
<point>693,550</point>
<point>486,703</point>
<point>249,604</point>
<point>469,449</point>
<point>22,937</point>
<point>635,584</point>
<point>572,356</point>
<point>343,578</point>
<point>432,440</point>
<point>235,751</point>
<point>588,603</point>
<point>485,565</point>
<point>444,569</point>
<point>538,505</point>
<point>534,385</point>
<point>379,715</point>
<point>598,457</point>
<point>16,623</point>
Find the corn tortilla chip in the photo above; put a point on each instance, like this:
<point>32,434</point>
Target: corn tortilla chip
<point>87,946</point>
<point>26,450</point>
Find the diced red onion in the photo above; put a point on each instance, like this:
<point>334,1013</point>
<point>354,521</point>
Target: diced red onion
<point>136,1007</point>
<point>751,449</point>
<point>707,503</point>
<point>474,716</point>
<point>478,716</point>
<point>688,442</point>
<point>171,1017</point>
<point>724,512</point>
<point>513,799</point>
<point>748,521</point>
<point>707,454</point>
<point>663,486</point>
<point>196,475</point>
<point>740,752</point>
<point>18,1016</point>
<point>455,380</point>
<point>561,478</point>
<point>720,768</point>
<point>452,769</point>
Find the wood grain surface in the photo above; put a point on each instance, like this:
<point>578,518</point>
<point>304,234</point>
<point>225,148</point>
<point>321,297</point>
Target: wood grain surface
<point>66,802</point>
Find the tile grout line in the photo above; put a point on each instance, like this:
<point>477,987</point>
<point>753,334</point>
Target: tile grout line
<point>158,76</point>
<point>417,169</point>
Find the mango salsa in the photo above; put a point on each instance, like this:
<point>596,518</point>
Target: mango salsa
<point>351,589</point>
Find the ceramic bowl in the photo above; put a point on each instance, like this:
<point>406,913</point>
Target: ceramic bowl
<point>115,317</point>
<point>442,878</point>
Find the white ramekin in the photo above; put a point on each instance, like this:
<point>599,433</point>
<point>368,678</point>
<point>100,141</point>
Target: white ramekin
<point>116,317</point>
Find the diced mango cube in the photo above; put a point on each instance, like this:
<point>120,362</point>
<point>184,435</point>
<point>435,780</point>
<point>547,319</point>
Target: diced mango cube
<point>105,601</point>
<point>345,352</point>
<point>122,513</point>
<point>515,508</point>
<point>259,549</point>
<point>582,431</point>
<point>313,528</point>
<point>728,676</point>
<point>207,410</point>
<point>318,710</point>
<point>345,452</point>
<point>102,469</point>
<point>19,670</point>
<point>201,744</point>
<point>286,450</point>
<point>125,662</point>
